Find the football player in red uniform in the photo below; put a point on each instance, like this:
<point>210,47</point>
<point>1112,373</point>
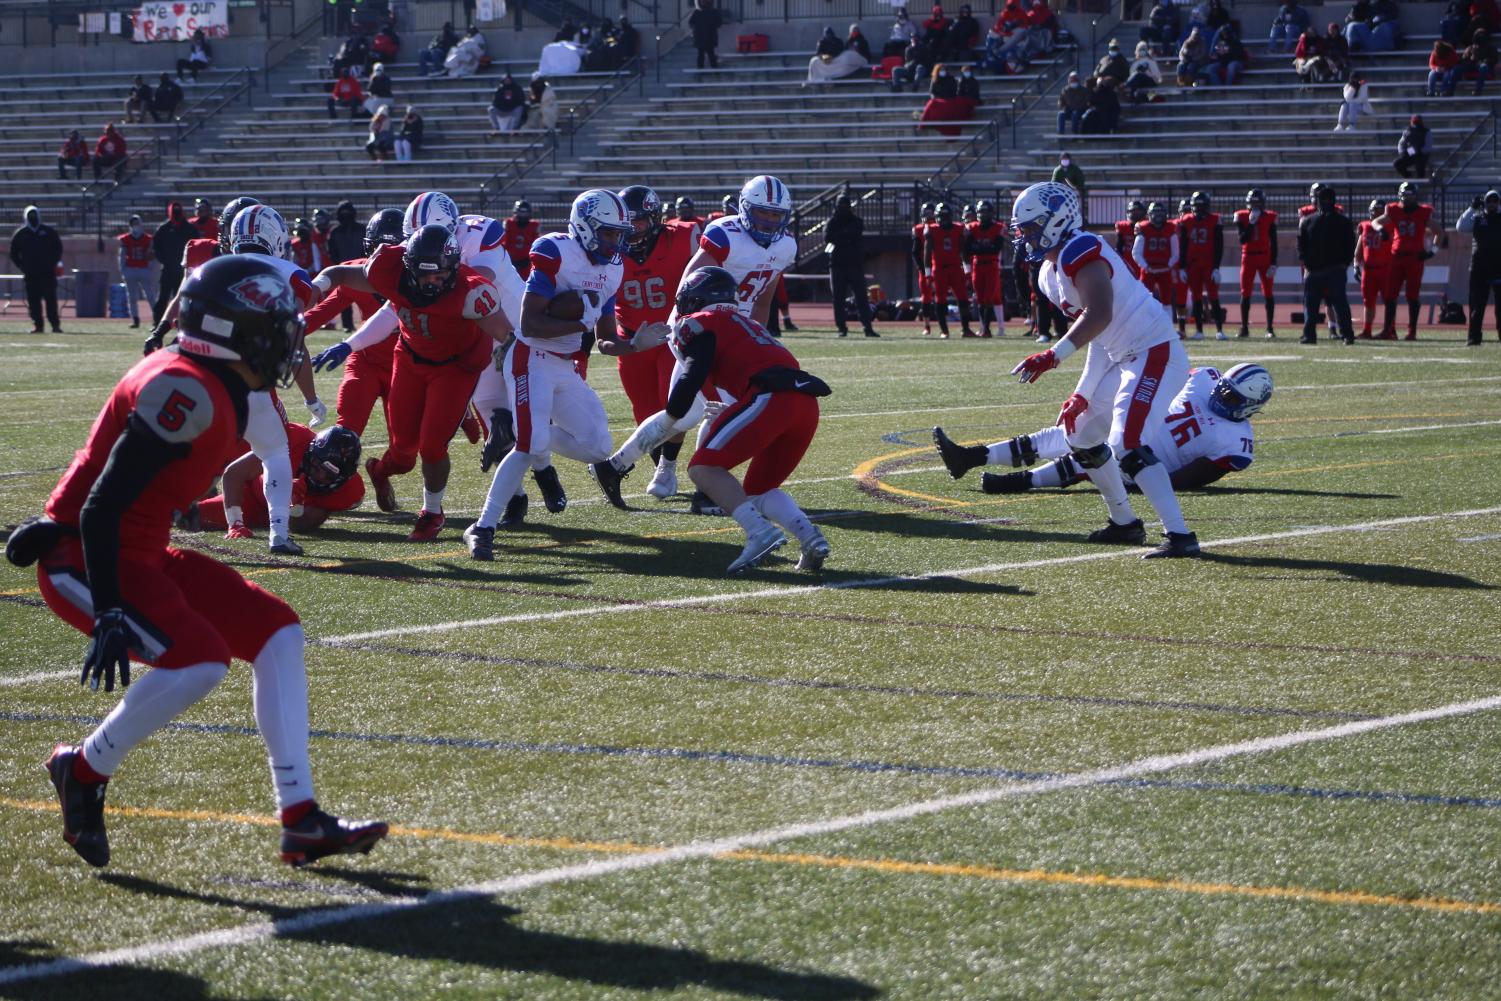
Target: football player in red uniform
<point>687,215</point>
<point>1257,226</point>
<point>943,248</point>
<point>727,206</point>
<point>1125,234</point>
<point>1373,264</point>
<point>326,480</point>
<point>770,426</point>
<point>1410,223</point>
<point>450,320</point>
<point>204,221</point>
<point>106,567</point>
<point>984,241</point>
<point>305,251</point>
<point>919,261</point>
<point>1156,253</point>
<point>519,232</point>
<point>1202,241</point>
<point>367,376</point>
<point>205,248</point>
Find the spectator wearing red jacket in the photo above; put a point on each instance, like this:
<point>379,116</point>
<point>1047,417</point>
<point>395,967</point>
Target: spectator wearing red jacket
<point>348,93</point>
<point>109,153</point>
<point>75,154</point>
<point>1441,60</point>
<point>935,31</point>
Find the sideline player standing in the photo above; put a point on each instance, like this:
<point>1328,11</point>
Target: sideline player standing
<point>107,569</point>
<point>1156,253</point>
<point>919,261</point>
<point>1203,244</point>
<point>943,256</point>
<point>984,241</point>
<point>1410,223</point>
<point>1257,226</point>
<point>520,232</point>
<point>1125,235</point>
<point>1134,367</point>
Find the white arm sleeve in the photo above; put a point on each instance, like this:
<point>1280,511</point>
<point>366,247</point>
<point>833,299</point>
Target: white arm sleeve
<point>376,329</point>
<point>1096,363</point>
<point>267,436</point>
<point>1139,252</point>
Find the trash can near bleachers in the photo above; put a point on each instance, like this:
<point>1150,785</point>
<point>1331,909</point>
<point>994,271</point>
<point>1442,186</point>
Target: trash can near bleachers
<point>89,293</point>
<point>119,301</point>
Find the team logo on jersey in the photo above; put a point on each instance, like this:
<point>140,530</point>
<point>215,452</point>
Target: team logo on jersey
<point>262,292</point>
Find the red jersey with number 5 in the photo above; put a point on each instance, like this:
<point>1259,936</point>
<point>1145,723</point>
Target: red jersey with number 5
<point>185,404</point>
<point>1409,228</point>
<point>647,287</point>
<point>444,331</point>
<point>742,347</point>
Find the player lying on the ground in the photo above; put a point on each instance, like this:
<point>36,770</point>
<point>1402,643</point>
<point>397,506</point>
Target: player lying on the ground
<point>1206,435</point>
<point>770,426</point>
<point>326,482</point>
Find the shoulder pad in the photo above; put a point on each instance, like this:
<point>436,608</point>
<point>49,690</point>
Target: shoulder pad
<point>177,407</point>
<point>1079,251</point>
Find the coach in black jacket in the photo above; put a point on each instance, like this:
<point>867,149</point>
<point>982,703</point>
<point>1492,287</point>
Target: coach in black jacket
<point>1326,246</point>
<point>36,250</point>
<point>846,248</point>
<point>1483,221</point>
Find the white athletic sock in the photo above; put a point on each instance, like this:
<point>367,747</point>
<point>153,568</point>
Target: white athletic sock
<point>150,703</point>
<point>777,505</point>
<point>1049,443</point>
<point>280,697</point>
<point>1047,476</point>
<point>432,500</point>
<point>544,459</point>
<point>1107,479</point>
<point>505,485</point>
<point>233,514</point>
<point>750,519</point>
<point>1155,482</point>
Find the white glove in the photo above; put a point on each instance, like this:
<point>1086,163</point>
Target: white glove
<point>592,313</point>
<point>713,408</point>
<point>650,336</point>
<point>318,410</point>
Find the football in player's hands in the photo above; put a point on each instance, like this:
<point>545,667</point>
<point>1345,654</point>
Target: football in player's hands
<point>566,306</point>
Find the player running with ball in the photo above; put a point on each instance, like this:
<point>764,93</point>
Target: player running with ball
<point>1134,367</point>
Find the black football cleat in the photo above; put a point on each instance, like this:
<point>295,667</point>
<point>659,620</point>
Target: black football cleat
<point>83,807</point>
<point>1018,482</point>
<point>553,497</point>
<point>1176,545</point>
<point>701,504</point>
<point>609,479</point>
<point>190,520</point>
<point>319,835</point>
<point>481,542</point>
<point>500,442</point>
<point>958,459</point>
<point>1133,533</point>
<point>515,512</point>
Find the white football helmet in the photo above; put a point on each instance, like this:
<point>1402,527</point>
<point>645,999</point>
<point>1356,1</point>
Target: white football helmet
<point>259,229</point>
<point>1044,216</point>
<point>1241,392</point>
<point>431,208</point>
<point>601,224</point>
<point>765,208</point>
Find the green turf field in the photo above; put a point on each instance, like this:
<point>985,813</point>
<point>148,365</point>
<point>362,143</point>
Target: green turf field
<point>976,758</point>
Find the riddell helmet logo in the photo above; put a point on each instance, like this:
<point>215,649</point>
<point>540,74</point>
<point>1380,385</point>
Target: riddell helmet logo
<point>262,292</point>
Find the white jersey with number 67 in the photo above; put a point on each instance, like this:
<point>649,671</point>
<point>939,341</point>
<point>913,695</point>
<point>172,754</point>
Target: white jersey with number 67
<point>756,268</point>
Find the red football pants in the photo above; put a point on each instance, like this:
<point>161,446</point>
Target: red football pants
<point>1160,284</point>
<point>1253,268</point>
<point>365,381</point>
<point>947,280</point>
<point>1373,285</point>
<point>1405,270</point>
<point>771,430</point>
<point>925,287</point>
<point>426,404</point>
<point>644,377</point>
<point>1200,285</point>
<point>986,273</point>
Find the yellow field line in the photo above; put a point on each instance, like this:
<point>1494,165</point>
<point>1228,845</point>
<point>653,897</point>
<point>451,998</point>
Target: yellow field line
<point>883,865</point>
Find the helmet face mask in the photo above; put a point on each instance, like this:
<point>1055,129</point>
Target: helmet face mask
<point>1375,208</point>
<point>522,210</point>
<point>985,210</point>
<point>1137,211</point>
<point>1199,203</point>
<point>644,211</point>
<point>1241,392</point>
<point>1255,199</point>
<point>430,265</point>
<point>1157,212</point>
<point>1407,194</point>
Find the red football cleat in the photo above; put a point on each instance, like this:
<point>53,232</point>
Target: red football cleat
<point>428,525</point>
<point>239,531</point>
<point>471,427</point>
<point>385,494</point>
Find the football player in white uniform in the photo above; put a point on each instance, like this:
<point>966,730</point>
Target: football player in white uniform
<point>1206,435</point>
<point>1134,367</point>
<point>754,246</point>
<point>552,406</point>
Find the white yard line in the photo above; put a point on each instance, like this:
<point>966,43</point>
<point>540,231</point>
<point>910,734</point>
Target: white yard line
<point>1155,764</point>
<point>28,679</point>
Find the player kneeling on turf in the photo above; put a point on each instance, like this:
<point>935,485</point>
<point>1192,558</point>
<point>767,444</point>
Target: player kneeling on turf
<point>325,483</point>
<point>770,426</point>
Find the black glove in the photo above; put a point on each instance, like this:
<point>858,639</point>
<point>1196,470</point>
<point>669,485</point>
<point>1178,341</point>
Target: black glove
<point>154,341</point>
<point>108,650</point>
<point>500,442</point>
<point>32,539</point>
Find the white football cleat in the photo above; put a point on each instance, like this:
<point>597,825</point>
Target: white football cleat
<point>664,482</point>
<point>815,551</point>
<point>757,548</point>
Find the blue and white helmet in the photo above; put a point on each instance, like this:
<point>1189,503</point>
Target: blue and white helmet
<point>601,224</point>
<point>1241,392</point>
<point>431,208</point>
<point>259,229</point>
<point>1044,216</point>
<point>765,209</point>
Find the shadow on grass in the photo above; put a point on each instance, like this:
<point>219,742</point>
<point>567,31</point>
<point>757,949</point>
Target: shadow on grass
<point>117,983</point>
<point>1365,573</point>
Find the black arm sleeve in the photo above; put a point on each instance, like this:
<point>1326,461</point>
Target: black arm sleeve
<point>1272,239</point>
<point>1219,245</point>
<point>697,360</point>
<point>138,456</point>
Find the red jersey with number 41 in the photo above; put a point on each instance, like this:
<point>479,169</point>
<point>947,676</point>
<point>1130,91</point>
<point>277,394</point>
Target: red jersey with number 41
<point>184,404</point>
<point>1408,227</point>
<point>647,287</point>
<point>444,331</point>
<point>742,347</point>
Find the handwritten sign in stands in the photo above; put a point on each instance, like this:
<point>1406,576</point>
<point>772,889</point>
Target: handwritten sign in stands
<point>176,21</point>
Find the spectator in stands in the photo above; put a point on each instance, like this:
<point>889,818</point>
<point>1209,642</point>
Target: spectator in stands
<point>138,101</point>
<point>627,41</point>
<point>1414,148</point>
<point>1386,34</point>
<point>1361,11</point>
<point>566,31</point>
<point>935,32</point>
<point>1011,52</point>
<point>166,100</point>
<point>135,269</point>
<point>919,60</point>
<point>945,104</point>
<point>542,100</point>
<point>1291,21</point>
<point>1192,55</point>
<point>1210,16</point>
<point>75,154</point>
<point>1162,28</point>
<point>1452,23</point>
<point>200,54</point>
<point>1483,14</point>
<point>1478,59</point>
<point>942,85</point>
<point>1145,73</point>
<point>507,107</point>
<point>836,59</point>
<point>1104,114</point>
<point>1441,60</point>
<point>348,93</point>
<point>386,43</point>
<point>1068,172</point>
<point>466,57</point>
<point>1113,63</point>
<point>1357,102</point>
<point>378,88</point>
<point>845,245</point>
<point>704,23</point>
<point>1336,52</point>
<point>1308,58</point>
<point>36,250</point>
<point>381,142</point>
<point>902,33</point>
<point>409,138</point>
<point>963,34</point>
<point>855,40</point>
<point>353,51</point>
<point>430,59</point>
<point>1229,58</point>
<point>167,244</point>
<point>110,153</point>
<point>969,85</point>
<point>1073,100</point>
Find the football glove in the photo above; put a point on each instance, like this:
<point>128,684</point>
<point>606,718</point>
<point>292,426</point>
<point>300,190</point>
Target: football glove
<point>319,411</point>
<point>500,442</point>
<point>333,357</point>
<point>713,408</point>
<point>109,650</point>
<point>1032,367</point>
<point>1073,409</point>
<point>650,336</point>
<point>154,339</point>
<point>1214,276</point>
